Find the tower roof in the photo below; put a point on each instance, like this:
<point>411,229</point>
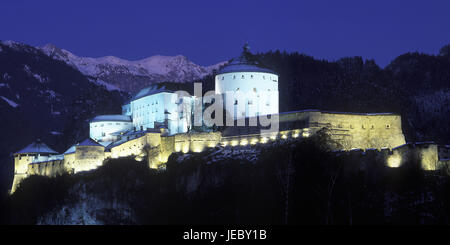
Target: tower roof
<point>71,149</point>
<point>37,147</point>
<point>150,91</point>
<point>119,118</point>
<point>89,142</point>
<point>242,64</point>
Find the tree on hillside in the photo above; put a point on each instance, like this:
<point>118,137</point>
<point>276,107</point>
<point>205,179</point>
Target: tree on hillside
<point>445,50</point>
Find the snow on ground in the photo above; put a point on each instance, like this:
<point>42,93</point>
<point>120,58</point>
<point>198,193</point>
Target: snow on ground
<point>10,102</point>
<point>157,64</point>
<point>10,43</point>
<point>108,86</point>
<point>51,94</point>
<point>6,76</point>
<point>38,77</point>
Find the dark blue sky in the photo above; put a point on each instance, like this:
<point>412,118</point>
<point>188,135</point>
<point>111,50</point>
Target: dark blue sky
<point>211,31</point>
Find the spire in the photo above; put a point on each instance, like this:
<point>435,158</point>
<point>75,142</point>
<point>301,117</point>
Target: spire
<point>246,48</point>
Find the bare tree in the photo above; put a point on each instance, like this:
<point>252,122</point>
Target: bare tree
<point>284,174</point>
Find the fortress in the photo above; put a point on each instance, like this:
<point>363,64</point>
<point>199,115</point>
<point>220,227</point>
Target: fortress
<point>157,122</point>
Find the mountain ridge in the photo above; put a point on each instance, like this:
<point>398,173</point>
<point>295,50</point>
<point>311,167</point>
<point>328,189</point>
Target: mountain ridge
<point>131,76</point>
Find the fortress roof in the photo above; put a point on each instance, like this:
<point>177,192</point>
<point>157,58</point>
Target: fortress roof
<point>118,118</point>
<point>37,147</point>
<point>71,149</point>
<point>150,91</point>
<point>89,142</point>
<point>242,64</point>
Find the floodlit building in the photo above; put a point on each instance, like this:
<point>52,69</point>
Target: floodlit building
<point>34,152</point>
<point>107,128</point>
<point>253,90</point>
<point>157,122</point>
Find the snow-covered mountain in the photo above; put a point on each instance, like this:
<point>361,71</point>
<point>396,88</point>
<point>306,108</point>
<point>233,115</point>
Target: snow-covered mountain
<point>132,75</point>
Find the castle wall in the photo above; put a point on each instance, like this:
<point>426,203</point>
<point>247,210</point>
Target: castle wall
<point>21,165</point>
<point>69,162</point>
<point>426,153</point>
<point>49,168</point>
<point>136,147</point>
<point>88,158</point>
<point>264,138</point>
<point>353,130</point>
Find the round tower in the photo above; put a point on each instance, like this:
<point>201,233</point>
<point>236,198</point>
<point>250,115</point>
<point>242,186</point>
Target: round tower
<point>35,152</point>
<point>253,89</point>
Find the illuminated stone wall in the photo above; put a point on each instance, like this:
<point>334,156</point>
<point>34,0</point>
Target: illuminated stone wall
<point>88,158</point>
<point>157,149</point>
<point>195,142</point>
<point>427,153</point>
<point>49,168</point>
<point>69,162</point>
<point>253,139</point>
<point>21,162</point>
<point>353,130</point>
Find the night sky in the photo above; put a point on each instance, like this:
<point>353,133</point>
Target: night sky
<point>211,31</point>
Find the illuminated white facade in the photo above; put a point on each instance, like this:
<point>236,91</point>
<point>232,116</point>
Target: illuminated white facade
<point>161,108</point>
<point>254,90</point>
<point>107,128</point>
<point>247,91</point>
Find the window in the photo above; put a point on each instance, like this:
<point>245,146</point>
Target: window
<point>363,127</point>
<point>254,90</point>
<point>388,126</point>
<point>222,78</point>
<point>242,77</point>
<point>234,76</point>
<point>251,76</point>
<point>264,77</point>
<point>237,89</point>
<point>103,134</point>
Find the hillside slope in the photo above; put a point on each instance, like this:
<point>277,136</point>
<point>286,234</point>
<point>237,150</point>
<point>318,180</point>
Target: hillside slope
<point>44,98</point>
